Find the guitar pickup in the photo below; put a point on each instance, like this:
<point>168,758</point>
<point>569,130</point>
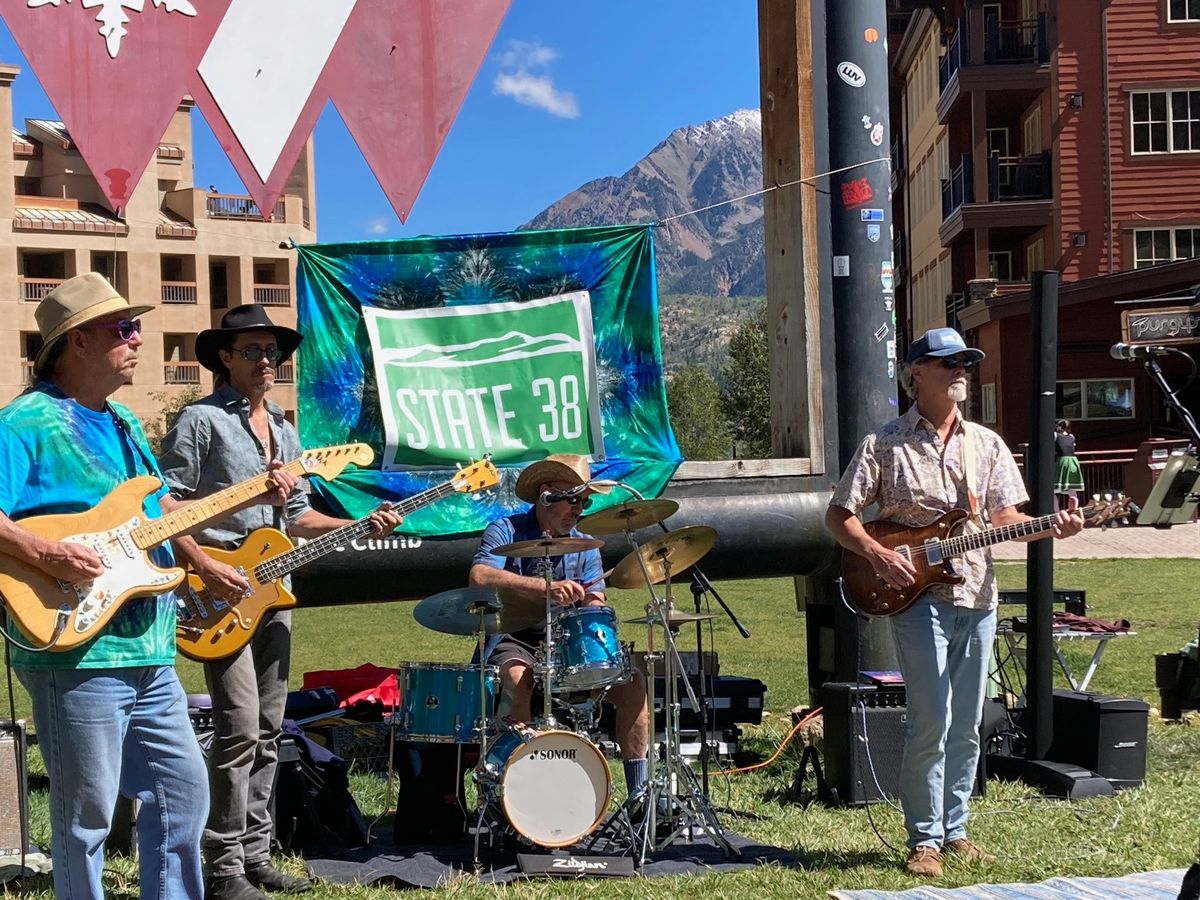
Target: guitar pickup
<point>933,552</point>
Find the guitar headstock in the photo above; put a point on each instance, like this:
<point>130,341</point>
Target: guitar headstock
<point>478,476</point>
<point>328,462</point>
<point>1103,510</point>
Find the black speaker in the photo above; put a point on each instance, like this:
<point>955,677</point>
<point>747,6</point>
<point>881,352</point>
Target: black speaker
<point>1104,734</point>
<point>864,737</point>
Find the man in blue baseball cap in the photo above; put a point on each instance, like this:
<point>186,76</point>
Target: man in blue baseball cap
<point>916,469</point>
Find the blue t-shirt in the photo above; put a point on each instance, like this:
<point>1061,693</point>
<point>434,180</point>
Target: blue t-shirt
<point>583,567</point>
<point>61,457</point>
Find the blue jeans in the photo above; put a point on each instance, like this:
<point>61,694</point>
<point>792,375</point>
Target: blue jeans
<point>109,732</point>
<point>944,652</point>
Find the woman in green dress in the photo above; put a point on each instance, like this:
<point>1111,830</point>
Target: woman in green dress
<point>1068,475</point>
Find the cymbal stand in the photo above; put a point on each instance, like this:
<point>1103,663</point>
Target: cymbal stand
<point>546,570</point>
<point>482,609</point>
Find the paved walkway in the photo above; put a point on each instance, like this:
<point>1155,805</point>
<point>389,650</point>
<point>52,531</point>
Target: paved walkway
<point>1131,542</point>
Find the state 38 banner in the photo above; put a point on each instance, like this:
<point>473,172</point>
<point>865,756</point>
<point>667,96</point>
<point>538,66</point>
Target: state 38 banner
<point>437,350</point>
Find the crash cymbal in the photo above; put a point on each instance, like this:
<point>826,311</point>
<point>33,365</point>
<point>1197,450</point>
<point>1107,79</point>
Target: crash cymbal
<point>632,515</point>
<point>676,617</point>
<point>547,546</point>
<point>681,548</point>
<point>457,611</point>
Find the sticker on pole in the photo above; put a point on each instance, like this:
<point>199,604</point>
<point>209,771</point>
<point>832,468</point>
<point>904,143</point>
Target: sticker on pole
<point>851,74</point>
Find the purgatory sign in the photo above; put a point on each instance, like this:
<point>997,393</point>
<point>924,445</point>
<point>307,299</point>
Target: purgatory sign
<point>516,380</point>
<point>1177,325</point>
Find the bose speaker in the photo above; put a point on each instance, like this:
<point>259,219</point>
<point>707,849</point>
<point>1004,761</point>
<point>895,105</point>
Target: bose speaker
<point>1104,734</point>
<point>14,798</point>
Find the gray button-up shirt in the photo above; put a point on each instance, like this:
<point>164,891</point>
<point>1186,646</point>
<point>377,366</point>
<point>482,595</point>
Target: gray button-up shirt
<point>212,447</point>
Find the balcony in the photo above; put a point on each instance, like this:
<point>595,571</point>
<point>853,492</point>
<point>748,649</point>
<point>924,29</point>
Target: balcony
<point>34,289</point>
<point>285,373</point>
<point>1018,177</point>
<point>1018,196</point>
<point>959,188</point>
<point>240,207</point>
<point>990,54</point>
<point>179,292</point>
<point>181,373</point>
<point>272,295</point>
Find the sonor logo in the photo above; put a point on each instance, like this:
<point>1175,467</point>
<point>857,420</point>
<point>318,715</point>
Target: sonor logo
<point>851,74</point>
<point>578,865</point>
<point>554,754</point>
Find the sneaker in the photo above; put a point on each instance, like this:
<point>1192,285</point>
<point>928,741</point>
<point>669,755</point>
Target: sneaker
<point>232,887</point>
<point>266,876</point>
<point>964,847</point>
<point>924,861</point>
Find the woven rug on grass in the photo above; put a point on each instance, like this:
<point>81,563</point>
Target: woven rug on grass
<point>1161,885</point>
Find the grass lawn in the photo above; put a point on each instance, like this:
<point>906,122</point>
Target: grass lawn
<point>1149,828</point>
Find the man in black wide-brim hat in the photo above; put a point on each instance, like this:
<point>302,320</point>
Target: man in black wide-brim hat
<point>231,435</point>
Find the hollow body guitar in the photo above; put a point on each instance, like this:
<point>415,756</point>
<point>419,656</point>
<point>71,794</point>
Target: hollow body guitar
<point>210,628</point>
<point>59,616</point>
<point>930,549</point>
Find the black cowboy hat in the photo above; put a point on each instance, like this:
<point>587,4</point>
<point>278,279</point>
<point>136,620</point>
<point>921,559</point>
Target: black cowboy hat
<point>248,317</point>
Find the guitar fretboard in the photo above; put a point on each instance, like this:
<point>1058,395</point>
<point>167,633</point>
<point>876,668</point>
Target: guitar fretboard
<point>309,551</point>
<point>965,543</point>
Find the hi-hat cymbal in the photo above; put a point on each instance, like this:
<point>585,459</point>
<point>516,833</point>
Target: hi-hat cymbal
<point>458,611</point>
<point>547,546</point>
<point>675,617</point>
<point>631,515</point>
<point>679,548</point>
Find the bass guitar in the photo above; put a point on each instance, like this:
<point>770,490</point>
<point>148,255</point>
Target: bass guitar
<point>60,616</point>
<point>210,628</point>
<point>931,548</point>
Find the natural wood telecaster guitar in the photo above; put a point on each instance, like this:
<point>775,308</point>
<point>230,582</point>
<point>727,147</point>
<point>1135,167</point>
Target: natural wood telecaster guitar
<point>930,549</point>
<point>210,628</point>
<point>60,616</point>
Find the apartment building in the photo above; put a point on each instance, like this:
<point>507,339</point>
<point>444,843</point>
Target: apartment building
<point>1051,134</point>
<point>191,251</point>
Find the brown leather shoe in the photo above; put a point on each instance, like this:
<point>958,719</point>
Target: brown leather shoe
<point>964,847</point>
<point>924,861</point>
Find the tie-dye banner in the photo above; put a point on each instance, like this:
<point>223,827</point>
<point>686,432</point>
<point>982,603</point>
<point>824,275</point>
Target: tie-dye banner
<point>516,344</point>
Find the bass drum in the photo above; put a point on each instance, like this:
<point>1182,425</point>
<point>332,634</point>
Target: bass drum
<point>554,787</point>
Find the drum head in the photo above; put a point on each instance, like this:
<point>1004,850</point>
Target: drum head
<point>556,788</point>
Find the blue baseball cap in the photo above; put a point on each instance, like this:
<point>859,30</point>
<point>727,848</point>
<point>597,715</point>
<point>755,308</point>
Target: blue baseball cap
<point>941,342</point>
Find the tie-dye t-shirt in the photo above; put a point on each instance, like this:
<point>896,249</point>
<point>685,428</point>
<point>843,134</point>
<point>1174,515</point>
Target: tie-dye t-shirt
<point>60,457</point>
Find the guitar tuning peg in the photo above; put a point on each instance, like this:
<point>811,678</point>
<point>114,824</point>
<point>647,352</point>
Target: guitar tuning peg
<point>458,466</point>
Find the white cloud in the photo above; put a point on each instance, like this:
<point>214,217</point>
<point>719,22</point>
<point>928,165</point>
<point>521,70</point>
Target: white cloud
<point>524,75</point>
<point>377,227</point>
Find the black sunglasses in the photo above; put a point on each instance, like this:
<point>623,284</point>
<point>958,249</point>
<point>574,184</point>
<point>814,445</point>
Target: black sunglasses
<point>254,353</point>
<point>125,329</point>
<point>952,362</point>
<point>585,502</point>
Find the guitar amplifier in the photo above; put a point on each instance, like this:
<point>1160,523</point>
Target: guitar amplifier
<point>14,794</point>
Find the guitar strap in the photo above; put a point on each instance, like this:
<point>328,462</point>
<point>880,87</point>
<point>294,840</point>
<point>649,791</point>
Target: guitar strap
<point>968,461</point>
<point>135,448</point>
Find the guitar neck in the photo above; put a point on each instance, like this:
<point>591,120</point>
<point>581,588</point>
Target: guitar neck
<point>965,543</point>
<point>278,566</point>
<point>184,519</point>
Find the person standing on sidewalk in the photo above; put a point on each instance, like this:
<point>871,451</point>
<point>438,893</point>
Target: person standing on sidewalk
<point>1068,475</point>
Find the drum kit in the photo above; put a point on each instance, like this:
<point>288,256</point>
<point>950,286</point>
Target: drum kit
<point>546,783</point>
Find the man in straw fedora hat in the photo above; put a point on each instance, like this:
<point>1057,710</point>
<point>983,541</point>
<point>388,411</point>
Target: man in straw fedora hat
<point>233,434</point>
<point>540,484</point>
<point>111,716</point>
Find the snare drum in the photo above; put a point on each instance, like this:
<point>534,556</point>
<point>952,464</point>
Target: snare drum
<point>439,703</point>
<point>553,786</point>
<point>589,654</point>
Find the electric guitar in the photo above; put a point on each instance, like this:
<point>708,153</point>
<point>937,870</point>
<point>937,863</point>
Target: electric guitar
<point>210,628</point>
<point>931,547</point>
<point>60,616</point>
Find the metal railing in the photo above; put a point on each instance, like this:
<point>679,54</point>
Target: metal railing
<point>273,294</point>
<point>1103,470</point>
<point>1017,41</point>
<point>179,292</point>
<point>34,289</point>
<point>238,206</point>
<point>181,373</point>
<point>958,188</point>
<point>285,373</point>
<point>955,56</point>
<point>1018,177</point>
<point>26,372</point>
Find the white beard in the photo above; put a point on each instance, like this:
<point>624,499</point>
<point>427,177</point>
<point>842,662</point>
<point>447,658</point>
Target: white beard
<point>957,392</point>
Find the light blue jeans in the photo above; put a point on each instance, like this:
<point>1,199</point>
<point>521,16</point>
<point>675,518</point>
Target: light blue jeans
<point>109,732</point>
<point>944,652</point>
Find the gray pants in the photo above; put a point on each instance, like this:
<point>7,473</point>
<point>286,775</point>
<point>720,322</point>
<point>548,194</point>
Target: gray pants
<point>249,690</point>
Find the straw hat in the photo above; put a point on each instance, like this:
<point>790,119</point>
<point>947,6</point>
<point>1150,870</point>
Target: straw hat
<point>247,317</point>
<point>568,467</point>
<point>76,302</point>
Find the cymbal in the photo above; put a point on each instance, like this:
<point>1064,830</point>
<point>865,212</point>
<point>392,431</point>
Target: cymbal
<point>457,611</point>
<point>631,515</point>
<point>547,546</point>
<point>680,548</point>
<point>675,617</point>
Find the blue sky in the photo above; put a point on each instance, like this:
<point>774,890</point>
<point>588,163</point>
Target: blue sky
<point>571,90</point>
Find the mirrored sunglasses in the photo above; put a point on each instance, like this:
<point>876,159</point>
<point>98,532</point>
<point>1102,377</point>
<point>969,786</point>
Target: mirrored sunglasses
<point>254,353</point>
<point>952,362</point>
<point>125,328</point>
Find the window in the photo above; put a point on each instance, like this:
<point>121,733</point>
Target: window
<point>1152,246</point>
<point>987,403</point>
<point>1031,130</point>
<point>1183,10</point>
<point>1165,121</point>
<point>1095,398</point>
<point>1035,257</point>
<point>1000,265</point>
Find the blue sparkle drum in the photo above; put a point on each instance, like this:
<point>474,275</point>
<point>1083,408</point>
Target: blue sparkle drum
<point>589,656</point>
<point>440,703</point>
